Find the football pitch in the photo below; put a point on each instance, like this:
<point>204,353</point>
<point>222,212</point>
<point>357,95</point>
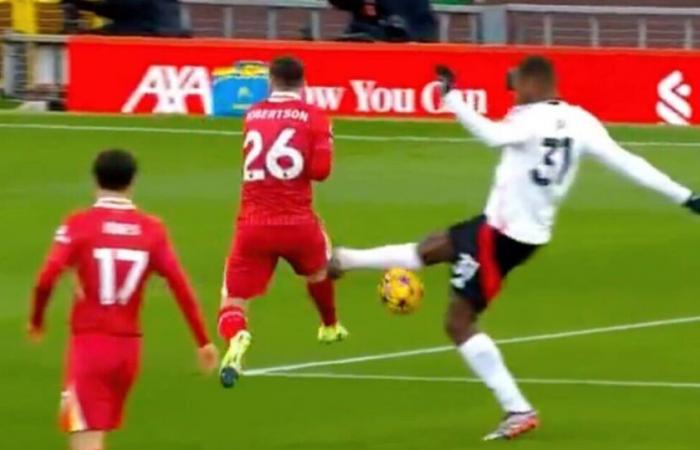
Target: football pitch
<point>602,327</point>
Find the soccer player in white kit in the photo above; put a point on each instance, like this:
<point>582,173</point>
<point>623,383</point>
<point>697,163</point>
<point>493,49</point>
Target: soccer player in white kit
<point>542,140</point>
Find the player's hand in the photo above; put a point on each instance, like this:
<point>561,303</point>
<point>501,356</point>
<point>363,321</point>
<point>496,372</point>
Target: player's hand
<point>35,334</point>
<point>446,77</point>
<point>693,203</point>
<point>208,357</point>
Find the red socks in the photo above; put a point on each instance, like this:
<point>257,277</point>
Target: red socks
<point>232,318</point>
<point>231,321</point>
<point>323,295</point>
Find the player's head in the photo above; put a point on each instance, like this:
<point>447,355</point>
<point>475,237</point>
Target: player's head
<point>287,74</point>
<point>534,80</point>
<point>114,170</point>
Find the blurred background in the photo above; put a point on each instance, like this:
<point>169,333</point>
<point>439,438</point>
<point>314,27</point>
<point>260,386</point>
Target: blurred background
<point>615,22</point>
<point>34,31</point>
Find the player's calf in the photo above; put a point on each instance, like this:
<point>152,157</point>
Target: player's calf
<point>460,321</point>
<point>233,328</point>
<point>321,289</point>
<point>232,318</point>
<point>484,358</point>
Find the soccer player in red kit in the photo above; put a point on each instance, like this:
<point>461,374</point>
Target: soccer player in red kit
<point>287,146</point>
<point>113,248</point>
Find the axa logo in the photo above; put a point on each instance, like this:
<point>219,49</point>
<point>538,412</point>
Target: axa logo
<point>170,88</point>
<point>673,106</point>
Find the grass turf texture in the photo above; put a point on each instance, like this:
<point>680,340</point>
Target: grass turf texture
<point>620,255</point>
<point>6,103</point>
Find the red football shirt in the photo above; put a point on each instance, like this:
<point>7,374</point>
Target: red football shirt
<point>113,249</point>
<point>287,145</point>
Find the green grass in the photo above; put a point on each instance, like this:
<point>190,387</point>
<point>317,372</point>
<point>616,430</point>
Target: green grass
<point>621,255</point>
<point>6,103</point>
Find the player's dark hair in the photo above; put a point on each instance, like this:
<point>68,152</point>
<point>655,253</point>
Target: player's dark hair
<point>287,72</point>
<point>114,169</point>
<point>539,68</point>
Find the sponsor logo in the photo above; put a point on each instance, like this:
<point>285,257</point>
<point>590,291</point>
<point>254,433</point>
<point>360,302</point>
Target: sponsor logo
<point>464,270</point>
<point>373,98</point>
<point>327,98</point>
<point>188,89</point>
<point>673,106</point>
<point>238,87</point>
<point>171,88</point>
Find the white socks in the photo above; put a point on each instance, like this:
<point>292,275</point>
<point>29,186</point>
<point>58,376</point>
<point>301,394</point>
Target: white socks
<point>479,352</point>
<point>484,358</point>
<point>402,255</point>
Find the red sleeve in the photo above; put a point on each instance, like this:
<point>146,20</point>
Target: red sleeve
<point>321,157</point>
<point>59,258</point>
<point>168,266</point>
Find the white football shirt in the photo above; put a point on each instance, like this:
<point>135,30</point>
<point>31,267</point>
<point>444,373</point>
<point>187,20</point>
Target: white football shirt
<point>542,147</point>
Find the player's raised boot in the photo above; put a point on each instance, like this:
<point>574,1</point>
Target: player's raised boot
<point>328,334</point>
<point>232,362</point>
<point>514,425</point>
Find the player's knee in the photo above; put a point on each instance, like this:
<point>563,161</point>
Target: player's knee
<point>456,330</point>
<point>317,277</point>
<point>233,302</point>
<point>436,248</point>
<point>460,322</point>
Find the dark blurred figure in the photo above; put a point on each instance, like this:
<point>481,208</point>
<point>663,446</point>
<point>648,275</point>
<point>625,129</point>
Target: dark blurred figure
<point>389,20</point>
<point>130,17</point>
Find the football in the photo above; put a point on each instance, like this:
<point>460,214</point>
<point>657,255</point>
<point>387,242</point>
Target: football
<point>401,291</point>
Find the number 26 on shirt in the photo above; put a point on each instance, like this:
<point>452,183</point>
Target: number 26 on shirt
<point>261,162</point>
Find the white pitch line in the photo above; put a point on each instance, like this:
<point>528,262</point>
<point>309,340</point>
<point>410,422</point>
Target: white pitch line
<point>545,381</point>
<point>445,348</point>
<point>352,360</point>
<point>347,137</point>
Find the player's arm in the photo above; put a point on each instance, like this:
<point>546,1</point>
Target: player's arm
<point>320,161</point>
<point>602,146</point>
<point>58,259</point>
<point>492,133</point>
<point>168,266</point>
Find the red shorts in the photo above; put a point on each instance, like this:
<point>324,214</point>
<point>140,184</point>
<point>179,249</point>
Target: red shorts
<point>100,371</point>
<point>257,248</point>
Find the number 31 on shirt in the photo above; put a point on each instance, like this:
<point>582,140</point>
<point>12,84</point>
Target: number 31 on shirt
<point>556,163</point>
<point>261,162</point>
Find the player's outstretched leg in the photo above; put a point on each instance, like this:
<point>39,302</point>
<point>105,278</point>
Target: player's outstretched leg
<point>233,328</point>
<point>321,289</point>
<point>434,249</point>
<point>481,354</point>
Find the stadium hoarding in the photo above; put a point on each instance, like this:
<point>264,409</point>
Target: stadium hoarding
<point>144,75</point>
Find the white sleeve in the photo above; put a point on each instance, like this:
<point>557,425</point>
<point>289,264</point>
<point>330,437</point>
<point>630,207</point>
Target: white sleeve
<point>493,134</point>
<point>606,150</point>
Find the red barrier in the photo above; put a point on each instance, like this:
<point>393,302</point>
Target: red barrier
<point>135,75</point>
